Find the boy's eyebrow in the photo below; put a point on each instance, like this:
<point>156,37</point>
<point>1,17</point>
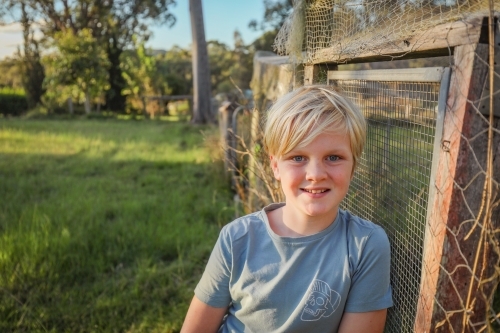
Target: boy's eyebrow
<point>331,150</point>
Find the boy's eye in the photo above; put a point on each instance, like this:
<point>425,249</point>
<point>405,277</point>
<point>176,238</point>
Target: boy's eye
<point>298,158</point>
<point>333,158</point>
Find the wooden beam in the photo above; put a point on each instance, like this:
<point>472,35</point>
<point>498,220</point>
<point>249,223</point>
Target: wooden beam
<point>444,304</point>
<point>425,74</point>
<point>438,40</point>
<point>317,74</point>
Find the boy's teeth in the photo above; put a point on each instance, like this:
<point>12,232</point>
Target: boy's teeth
<point>315,191</point>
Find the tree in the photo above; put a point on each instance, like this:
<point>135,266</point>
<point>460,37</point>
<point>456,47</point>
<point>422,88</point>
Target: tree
<point>230,69</point>
<point>111,22</point>
<point>139,70</point>
<point>28,60</point>
<point>11,75</point>
<point>176,67</point>
<point>242,70</point>
<point>202,112</point>
<point>220,59</point>
<point>275,14</point>
<point>265,42</point>
<point>80,64</point>
<point>32,71</point>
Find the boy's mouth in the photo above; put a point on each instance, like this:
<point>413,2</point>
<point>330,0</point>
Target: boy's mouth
<point>314,191</point>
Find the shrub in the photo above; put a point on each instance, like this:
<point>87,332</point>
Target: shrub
<point>12,102</point>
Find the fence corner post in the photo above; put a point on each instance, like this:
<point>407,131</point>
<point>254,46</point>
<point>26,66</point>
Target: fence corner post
<point>450,295</point>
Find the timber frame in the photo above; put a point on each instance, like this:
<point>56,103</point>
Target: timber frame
<point>447,284</point>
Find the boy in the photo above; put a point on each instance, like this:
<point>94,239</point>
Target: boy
<point>303,265</point>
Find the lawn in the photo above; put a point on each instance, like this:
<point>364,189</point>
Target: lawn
<point>105,225</point>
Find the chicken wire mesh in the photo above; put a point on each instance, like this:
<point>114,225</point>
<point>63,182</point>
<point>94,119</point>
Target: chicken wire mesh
<point>391,184</point>
<point>347,28</point>
<point>446,213</point>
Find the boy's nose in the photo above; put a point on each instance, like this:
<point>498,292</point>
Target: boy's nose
<point>315,170</point>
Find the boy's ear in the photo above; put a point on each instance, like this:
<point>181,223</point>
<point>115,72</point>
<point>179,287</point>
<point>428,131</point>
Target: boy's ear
<point>274,166</point>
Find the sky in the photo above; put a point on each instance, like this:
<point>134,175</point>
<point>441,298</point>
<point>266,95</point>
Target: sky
<point>222,18</point>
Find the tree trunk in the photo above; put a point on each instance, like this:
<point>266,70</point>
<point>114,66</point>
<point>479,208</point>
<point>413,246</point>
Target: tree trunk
<point>115,101</point>
<point>87,102</point>
<point>70,105</point>
<point>32,71</point>
<point>202,112</point>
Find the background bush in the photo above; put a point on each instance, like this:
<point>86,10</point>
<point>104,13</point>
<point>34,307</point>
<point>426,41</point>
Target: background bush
<point>12,102</point>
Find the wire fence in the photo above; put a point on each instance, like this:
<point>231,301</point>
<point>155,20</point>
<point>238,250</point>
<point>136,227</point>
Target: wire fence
<point>430,172</point>
<point>391,184</point>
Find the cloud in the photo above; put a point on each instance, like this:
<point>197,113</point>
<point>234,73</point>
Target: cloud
<point>11,38</point>
<point>12,28</point>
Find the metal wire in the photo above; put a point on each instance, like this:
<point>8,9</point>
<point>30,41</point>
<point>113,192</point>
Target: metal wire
<point>391,184</point>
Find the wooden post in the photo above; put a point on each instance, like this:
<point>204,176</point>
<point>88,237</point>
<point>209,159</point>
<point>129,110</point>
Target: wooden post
<point>450,300</point>
<point>317,73</point>
<point>144,108</point>
<point>308,74</point>
<point>190,106</point>
<point>226,116</point>
<point>70,105</point>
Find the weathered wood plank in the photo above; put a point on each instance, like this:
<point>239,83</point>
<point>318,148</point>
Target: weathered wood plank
<point>448,254</point>
<point>434,41</point>
<point>317,74</point>
<point>425,74</point>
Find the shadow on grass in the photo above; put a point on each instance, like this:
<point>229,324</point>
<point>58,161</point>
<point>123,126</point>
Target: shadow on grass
<point>94,244</point>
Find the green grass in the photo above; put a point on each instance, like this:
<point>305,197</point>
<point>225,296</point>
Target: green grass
<point>105,226</point>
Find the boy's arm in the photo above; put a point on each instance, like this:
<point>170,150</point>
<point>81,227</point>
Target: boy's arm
<point>202,318</point>
<point>367,322</point>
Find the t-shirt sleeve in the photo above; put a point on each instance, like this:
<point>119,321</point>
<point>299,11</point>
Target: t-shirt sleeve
<point>213,288</point>
<point>370,285</point>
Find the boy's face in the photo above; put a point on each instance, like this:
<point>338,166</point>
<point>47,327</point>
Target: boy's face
<point>315,178</point>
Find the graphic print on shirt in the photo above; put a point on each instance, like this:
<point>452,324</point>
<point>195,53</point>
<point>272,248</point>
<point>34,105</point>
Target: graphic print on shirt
<point>321,301</point>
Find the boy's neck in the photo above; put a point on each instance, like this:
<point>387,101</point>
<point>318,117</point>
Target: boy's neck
<point>286,223</point>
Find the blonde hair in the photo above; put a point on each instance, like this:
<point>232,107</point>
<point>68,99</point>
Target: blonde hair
<point>300,116</point>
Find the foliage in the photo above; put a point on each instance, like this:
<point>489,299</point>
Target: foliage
<point>146,74</point>
<point>276,13</point>
<point>112,23</point>
<point>31,68</point>
<point>175,67</point>
<point>139,71</point>
<point>80,65</point>
<point>221,61</point>
<point>230,68</point>
<point>105,225</point>
<point>12,101</point>
<point>11,76</point>
<point>265,42</point>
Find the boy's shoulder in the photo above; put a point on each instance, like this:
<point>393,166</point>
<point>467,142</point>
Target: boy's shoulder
<point>254,223</point>
<point>361,232</point>
<point>359,226</point>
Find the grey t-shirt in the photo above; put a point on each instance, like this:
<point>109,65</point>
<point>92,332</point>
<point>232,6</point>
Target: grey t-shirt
<point>296,284</point>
